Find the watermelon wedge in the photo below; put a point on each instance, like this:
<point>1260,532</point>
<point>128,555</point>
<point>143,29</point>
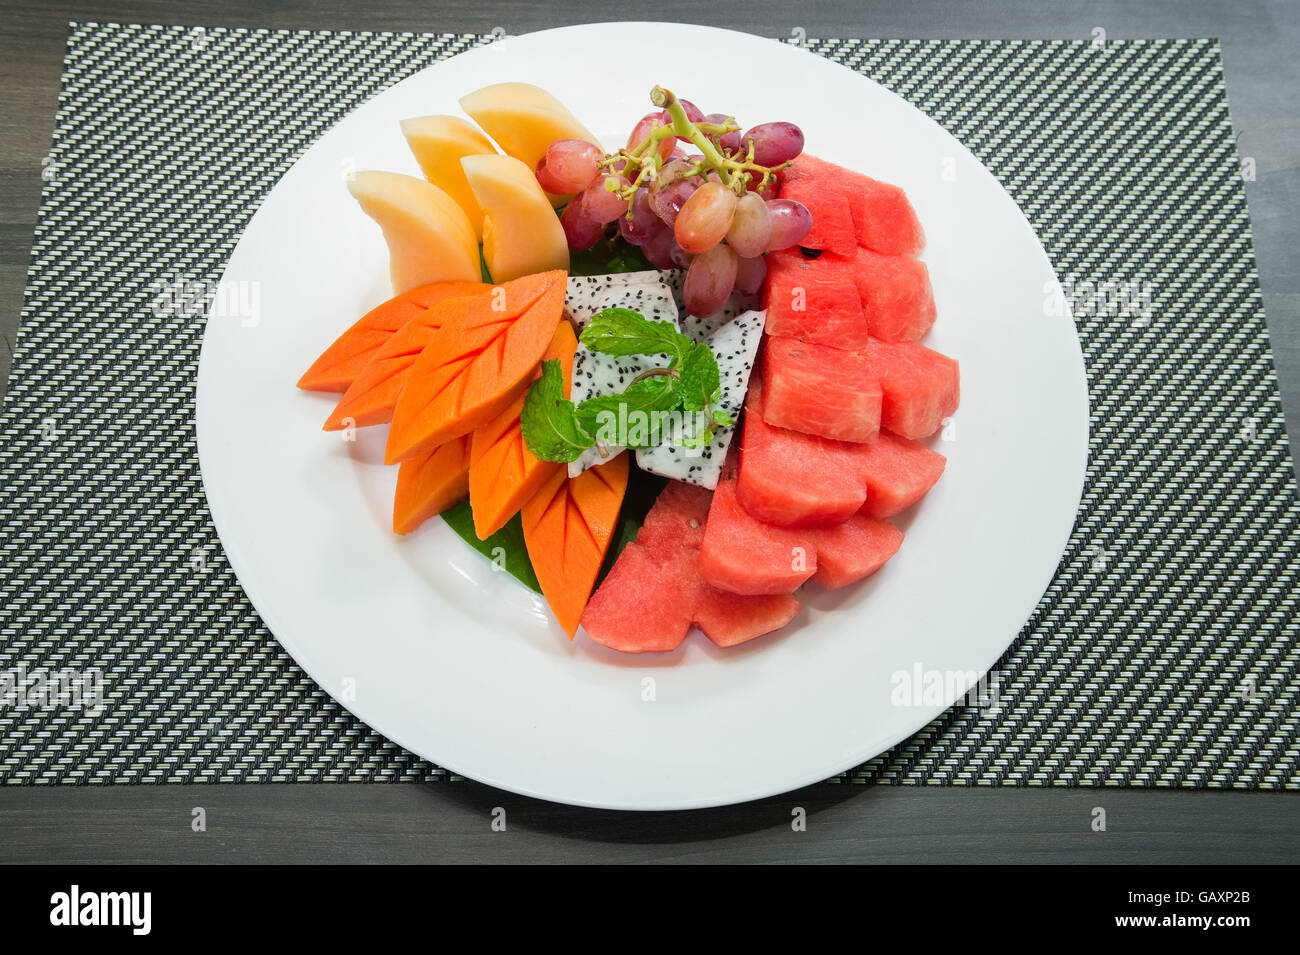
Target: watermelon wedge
<point>793,479</point>
<point>815,299</point>
<point>654,592</point>
<point>819,390</point>
<point>896,297</point>
<point>745,556</point>
<point>899,472</point>
<point>919,386</point>
<point>816,184</point>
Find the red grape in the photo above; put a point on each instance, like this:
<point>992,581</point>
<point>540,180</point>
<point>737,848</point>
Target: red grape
<point>569,166</point>
<point>790,222</point>
<point>750,274</point>
<point>728,141</point>
<point>751,227</point>
<point>709,281</point>
<point>705,218</point>
<point>581,231</point>
<point>643,221</point>
<point>600,204</point>
<point>668,200</point>
<point>642,130</point>
<point>774,143</point>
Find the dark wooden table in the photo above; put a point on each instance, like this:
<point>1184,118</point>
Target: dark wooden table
<point>451,821</point>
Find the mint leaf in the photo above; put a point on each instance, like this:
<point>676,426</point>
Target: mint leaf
<point>701,382</point>
<point>722,419</point>
<point>549,421</point>
<point>621,332</point>
<point>629,419</point>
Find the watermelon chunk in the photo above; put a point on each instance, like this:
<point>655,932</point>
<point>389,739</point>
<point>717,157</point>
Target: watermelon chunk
<point>819,390</point>
<point>743,555</point>
<point>816,300</point>
<point>920,387</point>
<point>883,217</point>
<point>853,550</point>
<point>896,296</point>
<point>899,472</point>
<point>794,479</point>
<point>730,619</point>
<point>654,592</point>
<point>815,183</point>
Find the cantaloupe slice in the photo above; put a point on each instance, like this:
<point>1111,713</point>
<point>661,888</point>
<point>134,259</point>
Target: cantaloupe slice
<point>439,144</point>
<point>429,236</point>
<point>474,366</point>
<point>524,119</point>
<point>503,473</point>
<point>522,234</point>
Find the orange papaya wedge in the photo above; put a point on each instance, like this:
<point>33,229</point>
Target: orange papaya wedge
<point>503,473</point>
<point>568,526</point>
<point>474,365</point>
<point>429,483</point>
<point>339,365</point>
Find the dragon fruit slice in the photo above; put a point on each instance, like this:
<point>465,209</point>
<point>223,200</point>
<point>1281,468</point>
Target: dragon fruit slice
<point>646,292</point>
<point>734,341</point>
<point>586,294</point>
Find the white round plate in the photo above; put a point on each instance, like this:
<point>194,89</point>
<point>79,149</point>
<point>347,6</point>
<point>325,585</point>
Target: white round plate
<point>422,640</point>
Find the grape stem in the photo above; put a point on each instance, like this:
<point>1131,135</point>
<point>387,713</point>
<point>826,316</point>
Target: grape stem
<point>683,128</point>
<point>735,174</point>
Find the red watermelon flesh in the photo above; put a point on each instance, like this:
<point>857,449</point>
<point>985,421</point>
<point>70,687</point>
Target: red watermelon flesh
<point>794,479</point>
<point>896,296</point>
<point>746,556</point>
<point>919,386</point>
<point>899,472</point>
<point>743,555</point>
<point>625,613</point>
<point>654,591</point>
<point>814,299</point>
<point>884,218</point>
<point>853,550</point>
<point>819,390</point>
<point>816,184</point>
<point>729,619</point>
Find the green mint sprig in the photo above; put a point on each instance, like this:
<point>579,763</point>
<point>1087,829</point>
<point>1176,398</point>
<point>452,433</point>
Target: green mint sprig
<point>555,429</point>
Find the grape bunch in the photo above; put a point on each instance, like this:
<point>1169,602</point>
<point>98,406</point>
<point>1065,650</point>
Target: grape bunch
<point>691,190</point>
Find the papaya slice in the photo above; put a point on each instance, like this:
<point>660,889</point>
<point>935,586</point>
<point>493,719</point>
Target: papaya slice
<point>503,473</point>
<point>339,365</point>
<point>473,366</point>
<point>372,396</point>
<point>429,483</point>
<point>568,526</point>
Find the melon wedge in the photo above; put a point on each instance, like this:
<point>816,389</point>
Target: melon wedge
<point>521,233</point>
<point>429,236</point>
<point>439,144</point>
<point>524,119</point>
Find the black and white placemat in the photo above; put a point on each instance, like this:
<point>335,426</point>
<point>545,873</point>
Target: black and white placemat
<point>1163,654</point>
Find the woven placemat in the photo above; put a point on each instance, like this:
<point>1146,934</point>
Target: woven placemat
<point>1163,654</point>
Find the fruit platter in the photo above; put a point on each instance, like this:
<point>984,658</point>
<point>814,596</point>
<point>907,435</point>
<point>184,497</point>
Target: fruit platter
<point>623,443</point>
<point>732,283</point>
